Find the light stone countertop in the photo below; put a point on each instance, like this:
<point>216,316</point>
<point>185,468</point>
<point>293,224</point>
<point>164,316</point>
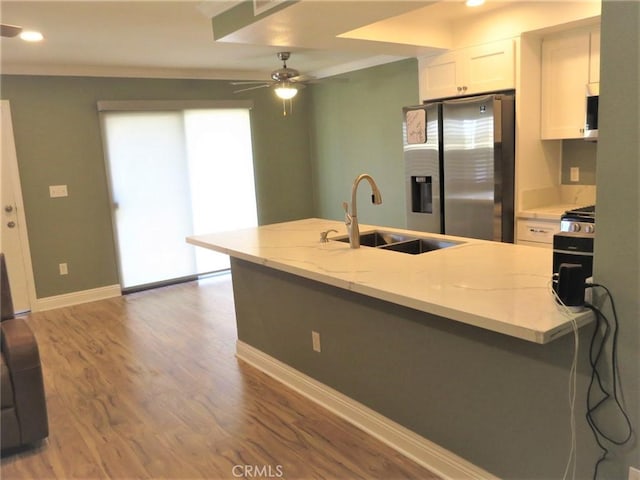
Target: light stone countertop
<point>496,286</point>
<point>548,212</point>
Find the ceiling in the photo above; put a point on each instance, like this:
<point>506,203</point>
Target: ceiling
<point>175,38</point>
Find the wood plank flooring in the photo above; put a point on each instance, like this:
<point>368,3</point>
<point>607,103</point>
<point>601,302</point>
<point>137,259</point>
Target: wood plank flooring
<point>148,386</point>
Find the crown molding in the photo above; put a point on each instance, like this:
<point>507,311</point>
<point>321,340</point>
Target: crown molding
<point>130,72</point>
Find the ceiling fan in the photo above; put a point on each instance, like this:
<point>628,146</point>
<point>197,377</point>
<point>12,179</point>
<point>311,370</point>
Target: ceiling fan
<point>285,81</point>
<point>9,30</point>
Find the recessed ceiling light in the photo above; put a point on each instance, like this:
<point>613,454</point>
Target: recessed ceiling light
<point>31,36</point>
<point>474,3</point>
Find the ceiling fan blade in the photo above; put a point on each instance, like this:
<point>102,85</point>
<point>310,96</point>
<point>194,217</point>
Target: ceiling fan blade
<point>247,82</point>
<point>9,30</point>
<point>252,88</point>
<point>301,78</point>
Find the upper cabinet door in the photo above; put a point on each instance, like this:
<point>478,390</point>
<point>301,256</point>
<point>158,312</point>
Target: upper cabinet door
<point>491,67</point>
<point>468,71</point>
<point>565,74</point>
<point>440,75</point>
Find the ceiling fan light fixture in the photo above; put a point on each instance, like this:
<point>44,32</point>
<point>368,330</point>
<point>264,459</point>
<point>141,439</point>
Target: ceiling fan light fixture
<point>31,36</point>
<point>286,91</point>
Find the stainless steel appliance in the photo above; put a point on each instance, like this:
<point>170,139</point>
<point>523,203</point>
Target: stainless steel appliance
<point>574,243</point>
<point>459,166</point>
<point>591,122</point>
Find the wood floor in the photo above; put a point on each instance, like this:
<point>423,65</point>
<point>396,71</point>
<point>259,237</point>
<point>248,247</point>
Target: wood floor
<point>147,386</point>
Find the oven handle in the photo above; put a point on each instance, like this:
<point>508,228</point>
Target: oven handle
<point>574,252</point>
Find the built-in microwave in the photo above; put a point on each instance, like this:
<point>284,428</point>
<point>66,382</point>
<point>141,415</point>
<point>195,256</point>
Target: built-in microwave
<point>591,122</point>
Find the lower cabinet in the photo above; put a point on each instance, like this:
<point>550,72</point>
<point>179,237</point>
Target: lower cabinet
<point>536,232</point>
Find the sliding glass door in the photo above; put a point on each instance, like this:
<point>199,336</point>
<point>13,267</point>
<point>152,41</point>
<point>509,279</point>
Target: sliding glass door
<point>175,174</point>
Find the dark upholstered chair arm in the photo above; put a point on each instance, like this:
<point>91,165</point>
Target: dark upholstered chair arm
<point>19,346</point>
<point>22,357</point>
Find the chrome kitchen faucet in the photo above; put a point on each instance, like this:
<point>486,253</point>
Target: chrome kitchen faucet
<point>351,219</point>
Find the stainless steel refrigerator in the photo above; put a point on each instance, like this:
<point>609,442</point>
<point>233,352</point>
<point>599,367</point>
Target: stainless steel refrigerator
<point>459,166</point>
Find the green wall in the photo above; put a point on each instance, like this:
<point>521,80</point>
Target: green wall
<point>356,120</point>
<point>581,154</point>
<point>497,401</point>
<point>617,245</point>
<point>58,141</point>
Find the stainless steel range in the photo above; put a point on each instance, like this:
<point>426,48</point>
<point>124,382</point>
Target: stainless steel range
<point>574,243</point>
<point>580,220</point>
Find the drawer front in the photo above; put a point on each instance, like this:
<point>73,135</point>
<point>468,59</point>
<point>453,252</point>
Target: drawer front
<point>537,231</point>
<point>535,244</point>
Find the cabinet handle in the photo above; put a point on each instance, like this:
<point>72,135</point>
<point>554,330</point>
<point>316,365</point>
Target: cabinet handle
<point>464,88</point>
<point>459,89</point>
<point>538,230</point>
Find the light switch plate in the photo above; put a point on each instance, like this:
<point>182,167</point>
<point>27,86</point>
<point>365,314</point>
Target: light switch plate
<point>56,191</point>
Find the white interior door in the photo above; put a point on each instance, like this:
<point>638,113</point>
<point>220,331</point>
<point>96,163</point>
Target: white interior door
<point>14,242</point>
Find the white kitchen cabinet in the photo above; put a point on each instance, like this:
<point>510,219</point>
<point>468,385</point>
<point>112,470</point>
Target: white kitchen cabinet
<point>484,68</point>
<point>536,232</point>
<point>569,62</point>
<point>594,56</point>
<point>440,75</point>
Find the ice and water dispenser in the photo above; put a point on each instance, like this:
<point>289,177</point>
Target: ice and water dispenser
<point>421,194</point>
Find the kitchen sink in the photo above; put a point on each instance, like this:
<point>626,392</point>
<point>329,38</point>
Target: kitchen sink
<point>419,245</point>
<point>376,238</point>
<point>398,242</point>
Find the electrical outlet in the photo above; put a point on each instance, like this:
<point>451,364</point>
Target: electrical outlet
<point>575,174</point>
<point>315,341</point>
<point>63,268</point>
<point>56,191</point>
<point>634,473</point>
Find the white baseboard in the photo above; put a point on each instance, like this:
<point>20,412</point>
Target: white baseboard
<point>422,451</point>
<point>75,298</point>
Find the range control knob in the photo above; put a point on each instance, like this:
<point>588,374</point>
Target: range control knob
<point>589,229</point>
<point>575,227</point>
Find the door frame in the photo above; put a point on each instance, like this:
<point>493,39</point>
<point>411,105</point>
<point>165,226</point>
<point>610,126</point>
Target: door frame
<point>10,168</point>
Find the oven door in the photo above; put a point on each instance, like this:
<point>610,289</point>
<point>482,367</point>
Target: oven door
<point>573,248</point>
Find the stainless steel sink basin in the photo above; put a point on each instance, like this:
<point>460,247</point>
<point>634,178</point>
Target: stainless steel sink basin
<point>419,245</point>
<point>399,242</point>
<point>376,238</point>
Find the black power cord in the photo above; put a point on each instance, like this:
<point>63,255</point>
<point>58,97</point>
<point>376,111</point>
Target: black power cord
<point>600,335</point>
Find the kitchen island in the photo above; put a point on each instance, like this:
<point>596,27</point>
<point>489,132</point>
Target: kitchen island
<point>500,287</point>
<point>458,357</point>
